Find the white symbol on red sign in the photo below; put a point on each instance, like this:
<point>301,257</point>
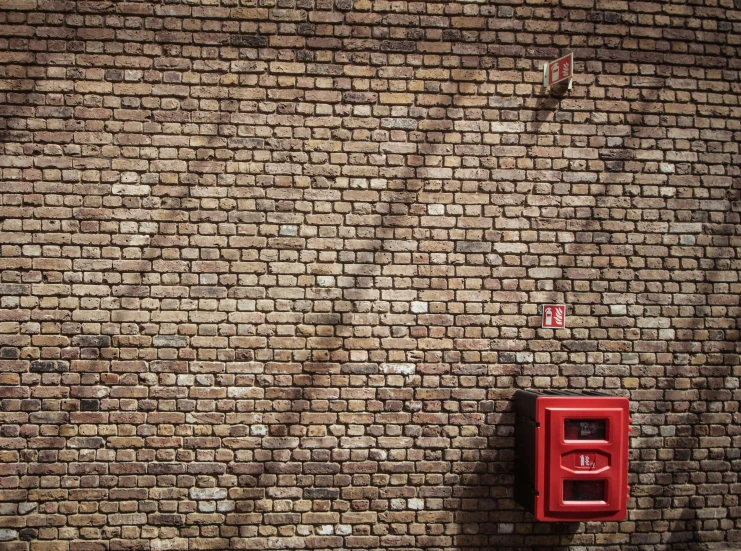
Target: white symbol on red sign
<point>554,73</point>
<point>554,316</point>
<point>558,70</point>
<point>586,460</point>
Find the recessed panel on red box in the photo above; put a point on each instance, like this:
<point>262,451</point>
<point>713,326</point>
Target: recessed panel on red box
<point>579,449</point>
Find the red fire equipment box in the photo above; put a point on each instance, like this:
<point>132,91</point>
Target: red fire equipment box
<point>571,455</point>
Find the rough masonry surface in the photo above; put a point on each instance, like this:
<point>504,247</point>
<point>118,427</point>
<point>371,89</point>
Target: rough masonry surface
<point>270,269</point>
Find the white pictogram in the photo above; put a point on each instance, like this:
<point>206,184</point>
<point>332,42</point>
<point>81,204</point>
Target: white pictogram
<point>558,316</point>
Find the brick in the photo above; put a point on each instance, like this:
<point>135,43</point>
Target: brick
<point>248,40</point>
<point>49,366</point>
<point>207,493</point>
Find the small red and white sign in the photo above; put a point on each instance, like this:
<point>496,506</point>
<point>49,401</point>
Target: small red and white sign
<point>559,70</point>
<point>554,316</point>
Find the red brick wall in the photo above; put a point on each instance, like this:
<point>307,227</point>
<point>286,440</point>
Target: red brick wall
<point>270,269</point>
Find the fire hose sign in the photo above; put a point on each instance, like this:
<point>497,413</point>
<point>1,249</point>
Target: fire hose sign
<point>554,316</point>
<point>558,70</point>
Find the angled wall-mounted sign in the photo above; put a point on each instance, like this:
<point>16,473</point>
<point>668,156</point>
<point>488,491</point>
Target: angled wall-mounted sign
<point>559,70</point>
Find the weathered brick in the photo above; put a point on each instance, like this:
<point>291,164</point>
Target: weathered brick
<point>49,366</point>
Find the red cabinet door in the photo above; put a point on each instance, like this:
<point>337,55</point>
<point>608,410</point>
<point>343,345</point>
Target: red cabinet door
<point>583,457</point>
